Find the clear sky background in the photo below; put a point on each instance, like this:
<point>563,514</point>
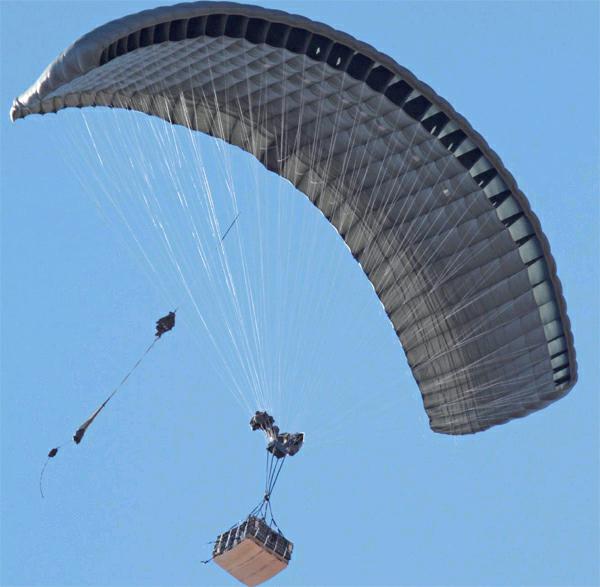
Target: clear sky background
<point>375,497</point>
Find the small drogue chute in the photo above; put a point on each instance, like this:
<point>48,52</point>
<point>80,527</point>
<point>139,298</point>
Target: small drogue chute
<point>163,325</point>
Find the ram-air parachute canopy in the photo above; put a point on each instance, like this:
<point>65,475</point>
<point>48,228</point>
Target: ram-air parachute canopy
<point>439,226</point>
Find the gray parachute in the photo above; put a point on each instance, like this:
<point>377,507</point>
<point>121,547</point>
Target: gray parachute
<point>439,226</point>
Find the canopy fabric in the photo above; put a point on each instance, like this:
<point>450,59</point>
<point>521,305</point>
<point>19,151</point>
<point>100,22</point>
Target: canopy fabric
<point>439,226</point>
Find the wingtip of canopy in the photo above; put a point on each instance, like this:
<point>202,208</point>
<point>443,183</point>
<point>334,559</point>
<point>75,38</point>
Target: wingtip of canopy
<point>28,103</point>
<point>23,106</point>
<point>16,110</point>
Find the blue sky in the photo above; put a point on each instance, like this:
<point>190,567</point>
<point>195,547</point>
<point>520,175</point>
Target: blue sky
<point>375,497</point>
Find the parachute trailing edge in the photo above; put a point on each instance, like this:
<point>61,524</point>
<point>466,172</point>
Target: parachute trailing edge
<point>437,223</point>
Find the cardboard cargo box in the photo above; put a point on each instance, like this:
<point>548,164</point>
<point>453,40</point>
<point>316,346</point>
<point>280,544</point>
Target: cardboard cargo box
<point>252,551</point>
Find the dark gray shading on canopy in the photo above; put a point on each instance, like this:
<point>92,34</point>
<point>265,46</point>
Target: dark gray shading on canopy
<point>439,226</point>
